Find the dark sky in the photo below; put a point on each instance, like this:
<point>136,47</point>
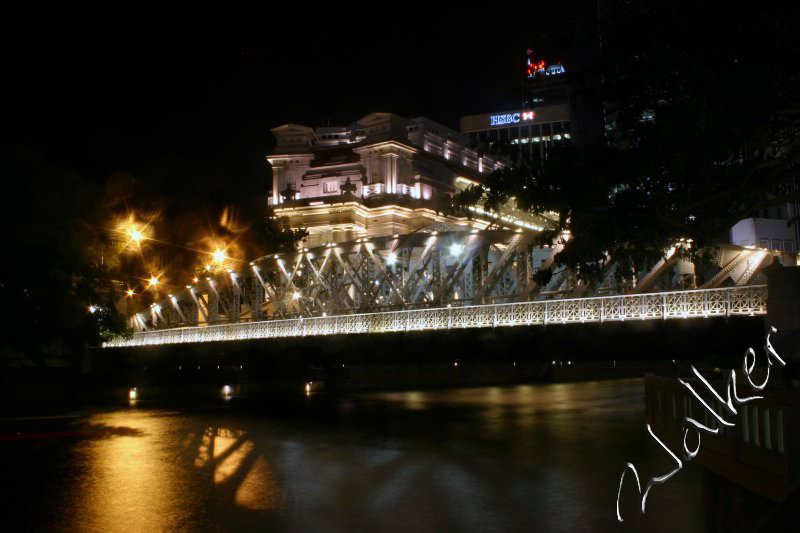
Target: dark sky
<point>168,112</point>
<point>109,91</point>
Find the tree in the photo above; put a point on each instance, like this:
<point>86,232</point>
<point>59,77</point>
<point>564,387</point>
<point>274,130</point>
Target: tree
<point>702,120</point>
<point>56,295</point>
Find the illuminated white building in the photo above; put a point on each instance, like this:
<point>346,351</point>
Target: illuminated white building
<point>380,176</point>
<point>772,229</point>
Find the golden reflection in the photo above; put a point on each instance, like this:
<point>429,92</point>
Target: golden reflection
<point>132,486</point>
<point>239,469</point>
<point>223,444</point>
<point>259,490</point>
<point>185,443</point>
<point>415,400</point>
<point>203,452</point>
<point>230,464</point>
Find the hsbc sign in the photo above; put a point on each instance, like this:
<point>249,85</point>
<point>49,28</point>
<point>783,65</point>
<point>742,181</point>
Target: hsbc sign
<point>511,118</point>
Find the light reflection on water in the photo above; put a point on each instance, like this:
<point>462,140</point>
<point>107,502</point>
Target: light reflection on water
<point>544,457</point>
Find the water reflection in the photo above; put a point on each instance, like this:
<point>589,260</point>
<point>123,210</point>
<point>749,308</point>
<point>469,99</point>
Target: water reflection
<point>496,458</point>
<point>130,480</point>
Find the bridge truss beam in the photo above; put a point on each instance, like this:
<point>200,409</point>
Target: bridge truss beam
<point>421,270</point>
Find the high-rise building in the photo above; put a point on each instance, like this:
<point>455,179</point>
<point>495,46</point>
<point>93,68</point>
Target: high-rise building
<point>532,130</point>
<point>544,84</point>
<point>547,114</point>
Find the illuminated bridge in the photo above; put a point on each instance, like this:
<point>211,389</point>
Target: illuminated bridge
<point>439,279</point>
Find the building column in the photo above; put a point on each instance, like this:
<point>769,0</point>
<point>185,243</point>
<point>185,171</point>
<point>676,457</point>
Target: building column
<point>390,168</point>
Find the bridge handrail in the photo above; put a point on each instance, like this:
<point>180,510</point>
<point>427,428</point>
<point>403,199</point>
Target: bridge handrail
<point>696,303</point>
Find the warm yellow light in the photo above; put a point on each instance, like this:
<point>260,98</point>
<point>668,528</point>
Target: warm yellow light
<point>135,234</point>
<point>153,281</point>
<point>296,295</point>
<point>218,255</point>
<point>195,280</point>
<point>130,292</point>
<point>133,393</point>
<point>208,267</point>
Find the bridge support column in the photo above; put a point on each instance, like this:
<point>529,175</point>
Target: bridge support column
<point>213,308</point>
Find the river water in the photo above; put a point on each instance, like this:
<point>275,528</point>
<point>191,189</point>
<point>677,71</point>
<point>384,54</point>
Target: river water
<point>511,458</point>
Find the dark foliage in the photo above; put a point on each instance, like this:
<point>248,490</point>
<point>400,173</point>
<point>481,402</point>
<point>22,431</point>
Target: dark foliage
<point>702,122</point>
<point>56,263</point>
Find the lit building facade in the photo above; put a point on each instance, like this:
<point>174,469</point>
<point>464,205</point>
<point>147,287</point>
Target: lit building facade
<point>382,175</point>
<point>772,229</point>
<point>533,130</point>
<point>546,117</point>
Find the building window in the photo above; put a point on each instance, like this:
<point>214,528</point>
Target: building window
<point>777,245</point>
<point>788,246</point>
<point>330,186</point>
<point>763,243</point>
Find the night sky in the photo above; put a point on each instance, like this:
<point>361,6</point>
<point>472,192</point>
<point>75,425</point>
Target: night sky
<point>181,100</point>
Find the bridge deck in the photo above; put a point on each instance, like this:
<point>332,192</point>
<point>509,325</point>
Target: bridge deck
<point>748,301</point>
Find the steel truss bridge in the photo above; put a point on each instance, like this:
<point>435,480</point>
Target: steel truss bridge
<point>433,280</point>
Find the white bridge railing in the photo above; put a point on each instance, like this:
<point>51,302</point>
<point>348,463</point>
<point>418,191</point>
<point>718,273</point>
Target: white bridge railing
<point>748,300</point>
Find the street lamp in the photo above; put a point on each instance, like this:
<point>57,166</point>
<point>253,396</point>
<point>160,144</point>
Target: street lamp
<point>153,281</point>
<point>135,234</point>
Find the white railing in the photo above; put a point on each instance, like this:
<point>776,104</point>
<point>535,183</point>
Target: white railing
<point>748,300</point>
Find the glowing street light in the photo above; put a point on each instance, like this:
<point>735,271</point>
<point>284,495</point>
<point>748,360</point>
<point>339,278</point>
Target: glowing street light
<point>296,295</point>
<point>456,249</point>
<point>391,258</point>
<point>218,256</point>
<point>130,292</point>
<point>135,234</point>
<point>153,281</point>
<point>92,309</point>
